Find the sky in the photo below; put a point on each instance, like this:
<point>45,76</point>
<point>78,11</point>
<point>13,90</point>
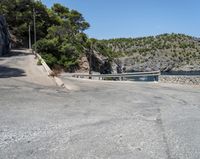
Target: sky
<point>136,18</point>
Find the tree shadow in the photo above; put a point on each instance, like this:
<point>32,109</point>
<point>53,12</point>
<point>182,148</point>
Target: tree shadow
<point>8,72</point>
<point>17,53</point>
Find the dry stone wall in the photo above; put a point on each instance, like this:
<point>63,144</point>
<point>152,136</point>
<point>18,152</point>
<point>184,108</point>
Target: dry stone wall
<point>180,79</point>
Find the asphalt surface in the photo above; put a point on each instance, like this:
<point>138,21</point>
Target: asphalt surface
<point>96,120</point>
<point>22,65</point>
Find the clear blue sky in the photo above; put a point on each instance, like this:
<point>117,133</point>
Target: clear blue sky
<point>136,18</point>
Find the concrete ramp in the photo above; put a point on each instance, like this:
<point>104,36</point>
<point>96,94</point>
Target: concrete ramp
<point>22,65</point>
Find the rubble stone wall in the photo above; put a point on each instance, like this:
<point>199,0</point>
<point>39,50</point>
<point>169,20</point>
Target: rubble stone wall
<point>189,80</point>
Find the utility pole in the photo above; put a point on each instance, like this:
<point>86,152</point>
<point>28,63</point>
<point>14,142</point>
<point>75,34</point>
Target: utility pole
<point>90,60</point>
<point>29,33</point>
<point>34,25</point>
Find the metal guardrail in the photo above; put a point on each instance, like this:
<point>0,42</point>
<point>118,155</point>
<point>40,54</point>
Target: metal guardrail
<point>122,76</point>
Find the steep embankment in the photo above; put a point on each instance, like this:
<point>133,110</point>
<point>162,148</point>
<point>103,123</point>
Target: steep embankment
<point>167,52</point>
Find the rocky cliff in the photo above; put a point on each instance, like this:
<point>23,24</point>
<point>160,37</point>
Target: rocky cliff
<point>4,37</point>
<point>99,63</point>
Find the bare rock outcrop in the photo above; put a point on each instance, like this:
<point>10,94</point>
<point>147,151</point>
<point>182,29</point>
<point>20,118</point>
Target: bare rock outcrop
<point>4,37</point>
<point>99,63</point>
<point>83,65</point>
<point>155,64</point>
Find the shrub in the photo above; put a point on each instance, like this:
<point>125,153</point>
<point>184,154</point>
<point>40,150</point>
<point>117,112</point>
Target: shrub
<point>49,59</point>
<point>39,62</point>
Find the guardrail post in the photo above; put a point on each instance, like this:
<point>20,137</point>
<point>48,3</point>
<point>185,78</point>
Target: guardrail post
<point>156,78</point>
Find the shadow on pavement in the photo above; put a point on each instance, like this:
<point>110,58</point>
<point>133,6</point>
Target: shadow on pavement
<point>7,72</point>
<point>17,53</point>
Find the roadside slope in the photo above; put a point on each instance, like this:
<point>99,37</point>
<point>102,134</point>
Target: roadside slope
<point>21,65</point>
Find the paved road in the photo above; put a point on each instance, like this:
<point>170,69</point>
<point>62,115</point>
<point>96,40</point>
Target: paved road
<point>21,65</point>
<point>98,120</point>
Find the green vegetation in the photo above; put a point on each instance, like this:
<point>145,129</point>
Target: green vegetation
<point>178,49</point>
<point>39,62</point>
<point>19,15</point>
<point>60,32</point>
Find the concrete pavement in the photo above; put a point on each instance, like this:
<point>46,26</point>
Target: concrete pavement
<point>21,65</point>
<point>97,120</point>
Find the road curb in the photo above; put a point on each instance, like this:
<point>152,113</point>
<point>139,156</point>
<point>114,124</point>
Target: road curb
<point>57,80</point>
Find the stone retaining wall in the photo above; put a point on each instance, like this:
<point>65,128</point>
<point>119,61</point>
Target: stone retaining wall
<point>189,80</point>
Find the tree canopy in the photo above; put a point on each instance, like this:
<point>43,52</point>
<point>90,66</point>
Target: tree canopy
<point>60,31</point>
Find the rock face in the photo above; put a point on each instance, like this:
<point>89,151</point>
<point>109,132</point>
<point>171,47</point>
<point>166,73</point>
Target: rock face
<point>83,65</point>
<point>99,63</point>
<point>4,37</point>
<point>156,64</point>
<point>148,65</point>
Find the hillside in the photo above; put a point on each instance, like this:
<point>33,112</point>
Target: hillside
<point>61,41</point>
<point>166,52</point>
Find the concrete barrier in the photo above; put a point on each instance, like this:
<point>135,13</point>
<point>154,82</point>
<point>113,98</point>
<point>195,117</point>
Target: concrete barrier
<point>58,81</point>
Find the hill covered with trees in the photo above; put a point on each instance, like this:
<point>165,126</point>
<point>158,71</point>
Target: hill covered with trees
<point>164,52</point>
